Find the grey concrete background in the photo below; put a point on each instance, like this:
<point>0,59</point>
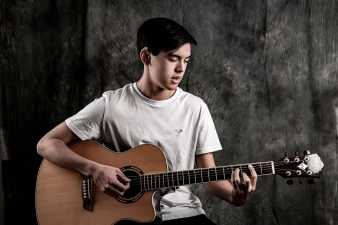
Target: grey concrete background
<point>267,69</point>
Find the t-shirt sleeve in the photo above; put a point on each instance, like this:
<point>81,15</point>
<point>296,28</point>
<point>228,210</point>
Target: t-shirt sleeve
<point>207,138</point>
<point>86,124</point>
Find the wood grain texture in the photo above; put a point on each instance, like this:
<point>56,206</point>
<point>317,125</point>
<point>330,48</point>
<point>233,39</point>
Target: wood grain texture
<point>58,190</point>
<point>267,70</point>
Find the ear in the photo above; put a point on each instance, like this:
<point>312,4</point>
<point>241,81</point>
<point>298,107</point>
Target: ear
<point>145,56</point>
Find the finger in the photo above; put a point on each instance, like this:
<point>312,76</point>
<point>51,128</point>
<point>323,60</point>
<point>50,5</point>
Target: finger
<point>115,190</point>
<point>123,177</point>
<point>247,183</point>
<point>235,179</point>
<point>120,186</point>
<point>237,176</point>
<point>253,177</point>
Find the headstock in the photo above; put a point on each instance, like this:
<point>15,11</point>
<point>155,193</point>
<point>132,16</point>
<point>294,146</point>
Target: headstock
<point>309,165</point>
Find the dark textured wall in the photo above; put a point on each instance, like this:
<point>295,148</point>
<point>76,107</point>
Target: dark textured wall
<point>268,69</point>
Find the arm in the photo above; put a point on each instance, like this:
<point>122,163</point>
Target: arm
<point>53,147</point>
<point>233,191</point>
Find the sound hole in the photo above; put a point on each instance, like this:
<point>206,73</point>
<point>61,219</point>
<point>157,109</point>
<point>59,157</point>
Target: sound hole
<point>134,192</point>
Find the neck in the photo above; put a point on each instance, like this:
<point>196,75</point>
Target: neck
<point>152,90</point>
<point>201,175</point>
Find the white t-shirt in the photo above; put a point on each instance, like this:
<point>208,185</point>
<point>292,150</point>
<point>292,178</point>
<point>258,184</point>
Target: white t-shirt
<point>181,126</point>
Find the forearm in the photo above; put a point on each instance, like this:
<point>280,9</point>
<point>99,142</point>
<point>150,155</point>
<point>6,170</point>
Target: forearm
<point>225,190</point>
<point>56,151</point>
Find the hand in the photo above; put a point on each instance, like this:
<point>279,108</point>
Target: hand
<point>112,178</point>
<point>242,185</point>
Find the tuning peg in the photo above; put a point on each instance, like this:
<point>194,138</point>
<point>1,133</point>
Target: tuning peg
<point>289,182</point>
<point>309,172</point>
<point>307,152</point>
<point>297,153</point>
<point>285,158</point>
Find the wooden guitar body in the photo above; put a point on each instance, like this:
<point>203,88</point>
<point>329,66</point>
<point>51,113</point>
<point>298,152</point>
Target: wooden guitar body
<point>59,197</point>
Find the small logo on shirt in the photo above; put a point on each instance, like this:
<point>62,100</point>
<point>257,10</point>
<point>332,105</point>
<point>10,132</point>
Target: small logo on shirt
<point>178,131</point>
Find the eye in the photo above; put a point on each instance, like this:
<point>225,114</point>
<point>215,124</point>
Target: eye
<point>172,58</point>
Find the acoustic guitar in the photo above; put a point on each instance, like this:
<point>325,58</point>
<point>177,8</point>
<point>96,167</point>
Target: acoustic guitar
<point>65,197</point>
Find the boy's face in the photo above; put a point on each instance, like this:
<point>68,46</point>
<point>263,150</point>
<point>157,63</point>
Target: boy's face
<point>167,68</point>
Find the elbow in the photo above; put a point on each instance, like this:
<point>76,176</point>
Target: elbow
<point>40,146</point>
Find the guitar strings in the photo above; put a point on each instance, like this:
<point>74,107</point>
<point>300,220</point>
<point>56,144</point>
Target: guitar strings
<point>153,184</point>
<point>170,180</point>
<point>200,175</point>
<point>219,170</point>
<point>205,170</point>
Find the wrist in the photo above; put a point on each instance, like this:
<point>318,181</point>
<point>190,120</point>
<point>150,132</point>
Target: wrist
<point>238,199</point>
<point>90,168</point>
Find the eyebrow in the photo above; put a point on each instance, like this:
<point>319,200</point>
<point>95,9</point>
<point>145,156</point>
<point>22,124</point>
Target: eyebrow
<point>178,56</point>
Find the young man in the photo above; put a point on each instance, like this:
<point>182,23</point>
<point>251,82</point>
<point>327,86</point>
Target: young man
<point>152,110</point>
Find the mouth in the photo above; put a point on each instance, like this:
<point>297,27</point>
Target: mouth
<point>176,79</point>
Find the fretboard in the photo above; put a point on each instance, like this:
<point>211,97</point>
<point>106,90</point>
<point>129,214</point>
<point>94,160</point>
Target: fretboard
<point>201,175</point>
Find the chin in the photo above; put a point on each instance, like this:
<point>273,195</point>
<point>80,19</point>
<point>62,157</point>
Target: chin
<point>172,87</point>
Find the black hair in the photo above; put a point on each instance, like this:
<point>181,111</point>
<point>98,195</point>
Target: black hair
<point>162,34</point>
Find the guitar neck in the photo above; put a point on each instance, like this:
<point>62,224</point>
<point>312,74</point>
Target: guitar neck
<point>150,182</point>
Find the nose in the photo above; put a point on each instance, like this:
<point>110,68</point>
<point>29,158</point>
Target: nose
<point>180,67</point>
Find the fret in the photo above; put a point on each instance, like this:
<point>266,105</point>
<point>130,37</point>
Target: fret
<point>182,177</point>
<point>216,178</point>
<point>208,174</point>
<point>151,181</point>
<point>178,178</point>
<point>163,185</point>
<point>194,176</point>
<point>201,174</point>
<point>146,182</point>
<point>159,180</point>
<point>172,179</point>
<point>189,176</point>
<point>260,163</point>
<point>222,172</point>
<point>273,167</point>
<point>167,178</point>
<point>156,181</point>
<point>265,169</point>
<point>197,176</point>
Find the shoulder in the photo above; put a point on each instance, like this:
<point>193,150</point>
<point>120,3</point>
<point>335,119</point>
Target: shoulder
<point>192,101</point>
<point>117,94</point>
